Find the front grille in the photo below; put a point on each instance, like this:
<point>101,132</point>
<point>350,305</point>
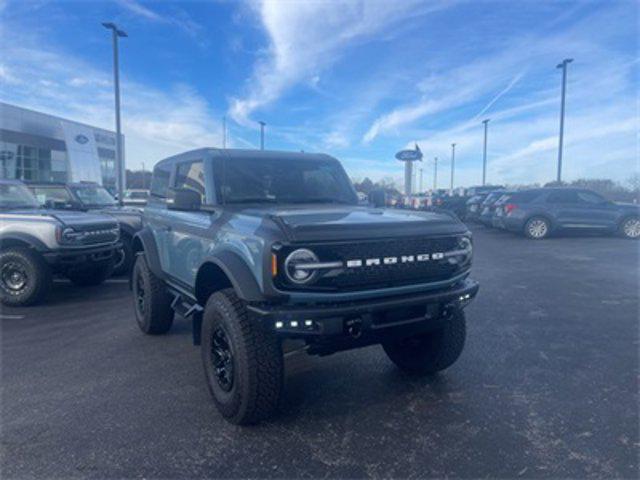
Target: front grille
<point>392,275</point>
<point>94,234</point>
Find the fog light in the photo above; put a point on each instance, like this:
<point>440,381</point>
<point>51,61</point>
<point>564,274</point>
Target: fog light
<point>294,324</point>
<point>279,324</point>
<point>308,323</point>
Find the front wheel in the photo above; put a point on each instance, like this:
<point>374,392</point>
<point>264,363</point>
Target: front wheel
<point>243,362</point>
<point>152,302</point>
<point>25,278</point>
<point>537,228</point>
<point>630,228</point>
<point>431,352</point>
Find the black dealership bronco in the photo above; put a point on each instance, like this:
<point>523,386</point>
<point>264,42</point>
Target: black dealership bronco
<point>260,247</point>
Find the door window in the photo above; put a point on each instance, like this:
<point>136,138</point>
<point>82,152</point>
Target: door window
<point>160,180</point>
<point>590,198</point>
<point>190,175</point>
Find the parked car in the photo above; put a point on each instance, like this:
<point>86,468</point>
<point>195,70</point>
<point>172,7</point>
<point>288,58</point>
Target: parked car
<point>91,197</point>
<point>135,197</point>
<point>497,220</point>
<point>257,247</point>
<point>538,213</point>
<point>455,204</point>
<point>473,207</point>
<point>487,207</point>
<point>36,243</point>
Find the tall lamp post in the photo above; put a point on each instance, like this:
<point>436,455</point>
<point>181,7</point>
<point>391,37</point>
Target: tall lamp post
<point>262,124</point>
<point>563,66</point>
<point>484,154</point>
<point>117,33</point>
<point>435,173</point>
<point>453,163</point>
<point>420,179</point>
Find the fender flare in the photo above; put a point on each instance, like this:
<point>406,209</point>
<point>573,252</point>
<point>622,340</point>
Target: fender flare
<point>143,241</point>
<point>239,274</point>
<point>30,240</point>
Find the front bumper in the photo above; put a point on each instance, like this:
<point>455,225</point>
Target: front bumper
<point>70,257</point>
<point>419,311</point>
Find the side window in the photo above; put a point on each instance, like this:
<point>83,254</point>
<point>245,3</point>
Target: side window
<point>160,180</point>
<point>55,194</point>
<point>190,175</point>
<point>563,196</point>
<point>590,198</point>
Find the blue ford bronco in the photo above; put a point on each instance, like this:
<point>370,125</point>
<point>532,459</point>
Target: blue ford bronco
<point>263,248</point>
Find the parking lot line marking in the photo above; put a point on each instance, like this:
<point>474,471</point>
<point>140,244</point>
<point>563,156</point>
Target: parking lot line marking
<point>11,317</point>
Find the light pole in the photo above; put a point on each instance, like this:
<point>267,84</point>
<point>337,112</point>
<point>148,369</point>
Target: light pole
<point>224,131</point>
<point>420,179</point>
<point>435,173</point>
<point>453,162</point>
<point>484,154</point>
<point>262,124</point>
<point>563,66</point>
<point>117,33</point>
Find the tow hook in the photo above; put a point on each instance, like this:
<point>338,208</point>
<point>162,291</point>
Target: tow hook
<point>353,327</point>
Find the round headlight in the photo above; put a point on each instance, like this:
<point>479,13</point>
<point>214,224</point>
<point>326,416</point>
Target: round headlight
<point>293,263</point>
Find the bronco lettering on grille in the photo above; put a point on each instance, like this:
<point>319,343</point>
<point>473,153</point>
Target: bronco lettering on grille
<point>422,257</point>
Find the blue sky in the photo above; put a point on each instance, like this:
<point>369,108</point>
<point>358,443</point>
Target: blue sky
<point>356,79</point>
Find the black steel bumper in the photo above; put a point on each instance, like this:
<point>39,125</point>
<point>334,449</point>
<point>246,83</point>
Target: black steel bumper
<point>70,257</point>
<point>354,319</point>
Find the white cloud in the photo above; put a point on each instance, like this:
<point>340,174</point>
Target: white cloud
<point>178,17</point>
<point>156,123</point>
<point>307,37</point>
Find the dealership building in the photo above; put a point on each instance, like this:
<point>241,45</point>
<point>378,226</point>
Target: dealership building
<point>40,147</point>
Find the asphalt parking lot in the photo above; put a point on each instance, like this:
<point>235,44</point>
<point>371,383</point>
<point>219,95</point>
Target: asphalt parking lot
<point>547,386</point>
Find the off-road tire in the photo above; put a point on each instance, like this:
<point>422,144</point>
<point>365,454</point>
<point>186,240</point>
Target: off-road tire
<point>432,352</point>
<point>124,266</point>
<point>37,272</point>
<point>153,311</point>
<point>544,228</point>
<point>257,361</point>
<point>624,229</point>
<point>91,276</point>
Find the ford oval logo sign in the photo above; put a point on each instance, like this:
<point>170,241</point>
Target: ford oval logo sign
<point>81,139</point>
<point>409,155</point>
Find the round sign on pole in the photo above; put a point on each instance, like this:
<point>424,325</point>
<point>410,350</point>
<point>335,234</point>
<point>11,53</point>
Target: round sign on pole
<point>409,155</point>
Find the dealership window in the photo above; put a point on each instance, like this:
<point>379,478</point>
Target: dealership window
<point>25,162</point>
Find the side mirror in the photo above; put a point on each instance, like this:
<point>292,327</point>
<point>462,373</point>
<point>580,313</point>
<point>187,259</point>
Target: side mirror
<point>183,199</point>
<point>378,198</point>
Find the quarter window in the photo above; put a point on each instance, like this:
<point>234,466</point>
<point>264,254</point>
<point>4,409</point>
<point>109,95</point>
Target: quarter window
<point>590,198</point>
<point>190,175</point>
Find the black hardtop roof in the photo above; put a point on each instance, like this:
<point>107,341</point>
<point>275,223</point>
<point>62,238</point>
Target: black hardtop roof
<point>237,153</point>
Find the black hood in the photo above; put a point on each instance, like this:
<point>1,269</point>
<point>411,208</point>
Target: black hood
<point>81,220</point>
<point>326,223</point>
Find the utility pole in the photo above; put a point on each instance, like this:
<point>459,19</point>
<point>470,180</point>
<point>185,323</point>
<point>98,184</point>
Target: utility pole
<point>421,180</point>
<point>117,33</point>
<point>262,124</point>
<point>435,174</point>
<point>484,155</point>
<point>224,131</point>
<point>563,66</point>
<point>453,163</point>
<point>144,179</point>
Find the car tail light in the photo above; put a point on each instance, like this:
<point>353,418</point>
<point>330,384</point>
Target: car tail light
<point>509,207</point>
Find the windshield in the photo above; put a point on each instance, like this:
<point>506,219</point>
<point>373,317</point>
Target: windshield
<point>94,196</point>
<point>283,181</point>
<point>17,196</point>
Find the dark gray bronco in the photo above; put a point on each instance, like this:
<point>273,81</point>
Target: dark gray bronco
<point>270,250</point>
